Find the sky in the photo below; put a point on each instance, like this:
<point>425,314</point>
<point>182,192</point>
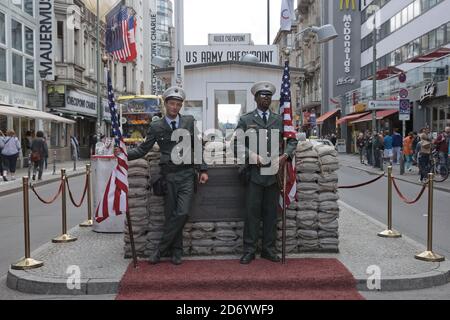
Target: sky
<point>229,16</point>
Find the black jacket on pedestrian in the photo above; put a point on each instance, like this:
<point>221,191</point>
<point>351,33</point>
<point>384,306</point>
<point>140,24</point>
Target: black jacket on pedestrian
<point>39,145</point>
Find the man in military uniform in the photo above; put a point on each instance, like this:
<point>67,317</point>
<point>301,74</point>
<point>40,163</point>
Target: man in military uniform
<point>179,178</point>
<point>263,191</point>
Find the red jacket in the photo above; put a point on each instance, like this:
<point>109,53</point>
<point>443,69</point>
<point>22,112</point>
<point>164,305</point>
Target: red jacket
<point>441,143</point>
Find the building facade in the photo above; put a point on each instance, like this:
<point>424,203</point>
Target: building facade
<point>73,94</point>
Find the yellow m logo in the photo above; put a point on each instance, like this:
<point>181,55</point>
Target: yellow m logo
<point>347,4</point>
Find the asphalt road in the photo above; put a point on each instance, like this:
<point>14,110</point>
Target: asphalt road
<point>410,220</point>
<point>45,220</point>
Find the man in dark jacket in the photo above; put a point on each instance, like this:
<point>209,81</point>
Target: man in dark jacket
<point>39,150</point>
<point>179,177</point>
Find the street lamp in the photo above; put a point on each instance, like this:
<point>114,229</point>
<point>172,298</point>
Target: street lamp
<point>324,33</point>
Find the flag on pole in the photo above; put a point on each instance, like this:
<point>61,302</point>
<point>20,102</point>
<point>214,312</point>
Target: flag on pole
<point>289,133</point>
<point>115,197</point>
<point>121,34</point>
<point>287,15</point>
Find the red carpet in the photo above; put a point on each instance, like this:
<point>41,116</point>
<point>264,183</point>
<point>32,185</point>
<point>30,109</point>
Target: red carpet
<point>299,279</point>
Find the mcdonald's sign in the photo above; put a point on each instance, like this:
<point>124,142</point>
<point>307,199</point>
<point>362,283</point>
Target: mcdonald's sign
<point>347,3</point>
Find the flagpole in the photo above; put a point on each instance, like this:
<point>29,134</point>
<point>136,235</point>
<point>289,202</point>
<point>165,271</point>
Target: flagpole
<point>99,98</point>
<point>268,22</point>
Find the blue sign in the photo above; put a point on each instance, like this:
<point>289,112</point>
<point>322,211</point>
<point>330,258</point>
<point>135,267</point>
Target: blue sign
<point>405,110</point>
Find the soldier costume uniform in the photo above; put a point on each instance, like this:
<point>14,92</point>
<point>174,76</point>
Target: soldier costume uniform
<point>262,190</point>
<point>179,178</point>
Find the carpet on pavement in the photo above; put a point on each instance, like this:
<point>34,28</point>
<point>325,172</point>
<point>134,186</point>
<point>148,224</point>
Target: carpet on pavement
<point>298,279</point>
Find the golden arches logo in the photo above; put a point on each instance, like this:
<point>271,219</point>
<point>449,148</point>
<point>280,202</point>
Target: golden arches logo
<point>347,4</point>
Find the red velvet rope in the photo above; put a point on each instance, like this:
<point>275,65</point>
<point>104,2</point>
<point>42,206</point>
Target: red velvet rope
<point>84,193</point>
<point>53,199</point>
<point>362,184</point>
<point>404,199</point>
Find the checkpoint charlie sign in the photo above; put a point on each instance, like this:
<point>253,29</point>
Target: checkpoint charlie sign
<point>222,53</point>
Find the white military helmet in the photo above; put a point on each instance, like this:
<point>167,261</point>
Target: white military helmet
<point>176,93</point>
<point>264,87</point>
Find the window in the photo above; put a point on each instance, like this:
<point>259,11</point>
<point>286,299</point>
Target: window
<point>124,75</point>
<point>440,36</point>
<point>2,64</point>
<point>17,69</point>
<point>2,29</point>
<point>16,35</point>
<point>29,73</point>
<point>28,7</point>
<point>29,41</point>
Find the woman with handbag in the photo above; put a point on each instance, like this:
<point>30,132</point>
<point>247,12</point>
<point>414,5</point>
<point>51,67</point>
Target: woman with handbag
<point>10,146</point>
<point>38,151</point>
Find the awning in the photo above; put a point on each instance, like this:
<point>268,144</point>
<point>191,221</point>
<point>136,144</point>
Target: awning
<point>351,117</point>
<point>386,73</point>
<point>326,116</point>
<point>380,116</point>
<point>432,55</point>
<point>31,114</point>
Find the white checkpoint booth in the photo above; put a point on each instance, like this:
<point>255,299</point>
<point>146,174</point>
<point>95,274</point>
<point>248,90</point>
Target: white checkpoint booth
<point>102,166</point>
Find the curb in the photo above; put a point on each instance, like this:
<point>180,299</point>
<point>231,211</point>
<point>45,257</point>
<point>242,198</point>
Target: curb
<point>436,187</point>
<point>437,277</point>
<point>39,184</point>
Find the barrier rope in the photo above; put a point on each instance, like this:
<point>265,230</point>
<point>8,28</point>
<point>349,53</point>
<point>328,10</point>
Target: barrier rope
<point>404,199</point>
<point>84,193</point>
<point>362,184</point>
<point>53,199</point>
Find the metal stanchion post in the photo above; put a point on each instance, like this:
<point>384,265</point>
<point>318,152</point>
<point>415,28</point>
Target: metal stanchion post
<point>29,164</point>
<point>389,233</point>
<point>64,237</point>
<point>402,164</point>
<point>381,155</point>
<point>429,255</point>
<point>74,163</point>
<point>26,263</point>
<point>89,222</point>
<point>54,163</point>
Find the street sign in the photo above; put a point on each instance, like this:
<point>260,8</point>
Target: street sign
<point>383,105</point>
<point>403,94</point>
<point>405,110</point>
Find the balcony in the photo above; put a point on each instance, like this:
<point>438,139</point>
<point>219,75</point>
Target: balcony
<point>70,74</point>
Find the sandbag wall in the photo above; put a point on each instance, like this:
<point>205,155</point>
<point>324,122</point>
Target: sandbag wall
<point>317,209</point>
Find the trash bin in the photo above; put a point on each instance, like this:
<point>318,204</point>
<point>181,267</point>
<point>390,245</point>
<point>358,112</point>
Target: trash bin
<point>102,166</point>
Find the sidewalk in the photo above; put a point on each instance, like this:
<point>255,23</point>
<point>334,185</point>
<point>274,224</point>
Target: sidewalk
<point>352,161</point>
<point>10,187</point>
<point>98,259</point>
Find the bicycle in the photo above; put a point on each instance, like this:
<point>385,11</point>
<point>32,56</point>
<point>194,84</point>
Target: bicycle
<point>440,170</point>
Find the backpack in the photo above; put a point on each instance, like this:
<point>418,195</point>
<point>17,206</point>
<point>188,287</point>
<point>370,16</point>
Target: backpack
<point>425,147</point>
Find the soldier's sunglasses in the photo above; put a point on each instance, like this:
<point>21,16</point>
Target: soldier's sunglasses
<point>265,95</point>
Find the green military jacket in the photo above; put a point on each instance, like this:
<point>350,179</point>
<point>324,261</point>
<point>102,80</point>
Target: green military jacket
<point>160,131</point>
<point>252,120</point>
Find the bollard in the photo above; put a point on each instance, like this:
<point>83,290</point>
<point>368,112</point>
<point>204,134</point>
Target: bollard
<point>402,164</point>
<point>26,263</point>
<point>64,237</point>
<point>89,222</point>
<point>54,163</point>
<point>29,165</point>
<point>389,233</point>
<point>429,255</point>
<point>74,163</point>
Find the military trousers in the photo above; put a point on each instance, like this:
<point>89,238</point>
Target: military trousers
<point>262,202</point>
<point>178,201</point>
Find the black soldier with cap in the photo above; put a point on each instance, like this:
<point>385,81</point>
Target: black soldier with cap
<point>262,190</point>
<point>179,177</point>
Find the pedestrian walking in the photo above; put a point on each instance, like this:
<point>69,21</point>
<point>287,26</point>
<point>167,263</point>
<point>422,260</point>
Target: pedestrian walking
<point>397,145</point>
<point>39,150</point>
<point>262,190</point>
<point>2,143</point>
<point>177,179</point>
<point>441,142</point>
<point>423,151</point>
<point>368,140</point>
<point>360,143</point>
<point>11,148</point>
<point>408,151</point>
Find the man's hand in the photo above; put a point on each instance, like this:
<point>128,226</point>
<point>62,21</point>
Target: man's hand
<point>282,160</point>
<point>204,178</point>
<point>117,151</point>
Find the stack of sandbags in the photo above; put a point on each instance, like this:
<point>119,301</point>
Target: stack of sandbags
<point>308,168</point>
<point>138,179</point>
<point>291,232</point>
<point>219,238</point>
<point>155,205</point>
<point>328,211</point>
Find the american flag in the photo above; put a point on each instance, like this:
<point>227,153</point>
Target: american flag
<point>120,34</point>
<point>289,133</point>
<point>115,198</point>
